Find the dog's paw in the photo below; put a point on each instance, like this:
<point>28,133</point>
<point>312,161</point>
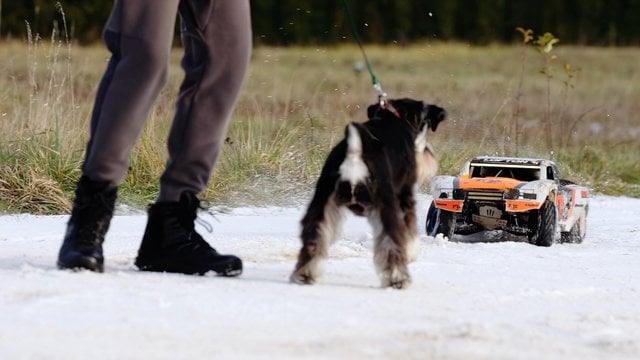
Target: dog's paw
<point>302,277</point>
<point>396,279</point>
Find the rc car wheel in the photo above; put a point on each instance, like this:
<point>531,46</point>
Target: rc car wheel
<point>544,225</point>
<point>446,224</point>
<point>432,220</point>
<point>583,224</point>
<point>572,236</point>
<point>440,222</point>
<point>577,232</point>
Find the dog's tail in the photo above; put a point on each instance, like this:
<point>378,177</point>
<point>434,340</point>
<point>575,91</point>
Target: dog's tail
<point>353,169</point>
<point>354,141</point>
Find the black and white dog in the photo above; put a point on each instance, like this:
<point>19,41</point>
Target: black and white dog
<point>374,172</point>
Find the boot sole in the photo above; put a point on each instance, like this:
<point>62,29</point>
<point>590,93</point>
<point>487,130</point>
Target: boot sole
<point>90,264</point>
<point>231,269</point>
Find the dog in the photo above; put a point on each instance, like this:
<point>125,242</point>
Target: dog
<point>374,172</point>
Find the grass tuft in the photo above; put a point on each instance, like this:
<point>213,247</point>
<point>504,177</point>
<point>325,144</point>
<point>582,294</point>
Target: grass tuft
<point>25,189</point>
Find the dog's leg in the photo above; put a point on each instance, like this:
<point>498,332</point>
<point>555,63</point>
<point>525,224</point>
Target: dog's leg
<point>321,223</point>
<point>390,252</point>
<point>408,206</point>
<point>319,230</point>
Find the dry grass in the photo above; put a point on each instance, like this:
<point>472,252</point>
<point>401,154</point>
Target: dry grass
<point>295,104</point>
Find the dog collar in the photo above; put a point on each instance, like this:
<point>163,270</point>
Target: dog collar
<point>387,106</point>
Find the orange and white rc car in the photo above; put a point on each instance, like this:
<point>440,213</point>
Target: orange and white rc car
<point>522,196</point>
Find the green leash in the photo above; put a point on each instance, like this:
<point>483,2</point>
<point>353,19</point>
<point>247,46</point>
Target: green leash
<point>382,96</point>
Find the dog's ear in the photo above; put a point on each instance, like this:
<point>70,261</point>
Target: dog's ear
<point>434,115</point>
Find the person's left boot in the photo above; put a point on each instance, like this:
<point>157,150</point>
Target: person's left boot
<point>90,218</point>
<point>171,244</point>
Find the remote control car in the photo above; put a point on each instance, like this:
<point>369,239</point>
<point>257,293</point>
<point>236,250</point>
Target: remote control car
<point>522,196</point>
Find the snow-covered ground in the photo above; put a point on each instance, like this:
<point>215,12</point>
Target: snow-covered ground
<point>468,300</point>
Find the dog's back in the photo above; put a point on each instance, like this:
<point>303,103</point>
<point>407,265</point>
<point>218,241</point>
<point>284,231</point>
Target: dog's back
<point>377,150</point>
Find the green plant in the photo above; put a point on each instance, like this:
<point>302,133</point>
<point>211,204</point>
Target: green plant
<point>527,36</point>
<point>544,45</point>
<point>558,126</point>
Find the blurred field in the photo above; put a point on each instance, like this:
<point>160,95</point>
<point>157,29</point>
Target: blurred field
<point>296,101</point>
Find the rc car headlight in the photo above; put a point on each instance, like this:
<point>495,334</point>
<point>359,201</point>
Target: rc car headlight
<point>512,194</point>
<point>445,194</point>
<point>529,196</point>
<point>458,194</point>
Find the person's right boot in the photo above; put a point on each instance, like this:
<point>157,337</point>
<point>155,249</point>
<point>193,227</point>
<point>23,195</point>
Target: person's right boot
<point>171,244</point>
<point>90,218</point>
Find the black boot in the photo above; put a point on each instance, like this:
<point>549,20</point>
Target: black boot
<point>171,244</point>
<point>89,222</point>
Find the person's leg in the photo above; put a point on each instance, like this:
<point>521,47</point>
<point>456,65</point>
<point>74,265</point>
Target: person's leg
<point>139,36</point>
<point>217,40</point>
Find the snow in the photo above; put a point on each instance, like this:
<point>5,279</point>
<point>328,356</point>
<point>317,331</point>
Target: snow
<point>469,299</point>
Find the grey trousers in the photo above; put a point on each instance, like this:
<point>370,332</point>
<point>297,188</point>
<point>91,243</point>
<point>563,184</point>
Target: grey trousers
<point>216,36</point>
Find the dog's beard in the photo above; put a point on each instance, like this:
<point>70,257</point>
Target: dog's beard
<point>426,162</point>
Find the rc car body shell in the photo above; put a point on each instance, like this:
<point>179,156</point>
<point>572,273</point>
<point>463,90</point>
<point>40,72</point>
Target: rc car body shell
<point>509,193</point>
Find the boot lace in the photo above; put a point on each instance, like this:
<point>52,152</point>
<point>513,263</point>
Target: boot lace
<point>188,219</point>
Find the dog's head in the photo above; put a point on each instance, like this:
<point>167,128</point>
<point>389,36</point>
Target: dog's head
<point>416,113</point>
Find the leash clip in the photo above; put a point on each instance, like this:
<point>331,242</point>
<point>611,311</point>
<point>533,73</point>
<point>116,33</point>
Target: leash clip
<point>382,96</point>
<point>382,99</point>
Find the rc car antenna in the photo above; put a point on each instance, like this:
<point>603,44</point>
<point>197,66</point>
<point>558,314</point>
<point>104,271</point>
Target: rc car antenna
<point>382,96</point>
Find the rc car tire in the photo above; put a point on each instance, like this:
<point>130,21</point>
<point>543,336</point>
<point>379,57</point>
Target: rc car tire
<point>577,232</point>
<point>440,222</point>
<point>446,223</point>
<point>572,236</point>
<point>544,230</point>
<point>432,220</point>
